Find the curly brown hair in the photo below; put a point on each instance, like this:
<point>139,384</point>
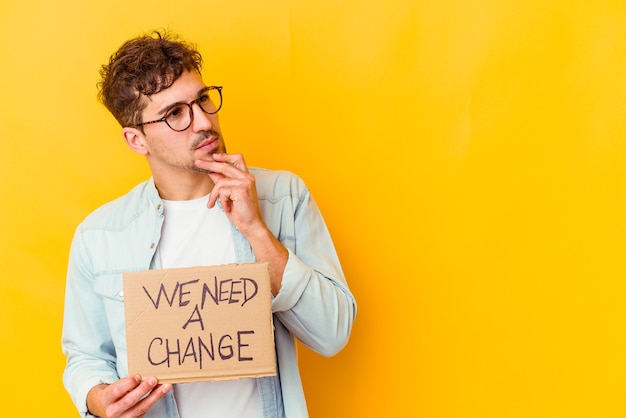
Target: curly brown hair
<point>141,67</point>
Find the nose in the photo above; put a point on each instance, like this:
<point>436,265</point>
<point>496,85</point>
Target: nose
<point>201,121</point>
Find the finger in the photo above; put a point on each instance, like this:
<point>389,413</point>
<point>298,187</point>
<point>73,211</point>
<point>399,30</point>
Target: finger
<point>227,198</point>
<point>224,168</point>
<point>236,160</point>
<point>143,406</point>
<point>229,182</point>
<point>134,396</point>
<point>119,389</point>
<point>223,188</point>
<point>216,177</point>
<point>227,158</point>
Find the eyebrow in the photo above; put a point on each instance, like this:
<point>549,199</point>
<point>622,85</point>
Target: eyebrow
<point>167,108</point>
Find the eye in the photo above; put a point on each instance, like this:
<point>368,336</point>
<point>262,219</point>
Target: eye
<point>177,112</point>
<point>204,99</point>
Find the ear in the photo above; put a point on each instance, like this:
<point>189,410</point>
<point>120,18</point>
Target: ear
<point>135,139</point>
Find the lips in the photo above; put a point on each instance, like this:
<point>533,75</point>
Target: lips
<point>208,144</point>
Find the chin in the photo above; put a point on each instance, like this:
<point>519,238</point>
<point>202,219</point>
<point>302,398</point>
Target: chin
<point>196,169</point>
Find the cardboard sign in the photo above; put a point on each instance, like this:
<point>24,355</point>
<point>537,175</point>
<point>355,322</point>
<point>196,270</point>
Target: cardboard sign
<point>200,323</point>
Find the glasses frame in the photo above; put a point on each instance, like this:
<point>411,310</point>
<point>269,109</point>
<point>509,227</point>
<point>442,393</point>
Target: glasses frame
<point>190,106</point>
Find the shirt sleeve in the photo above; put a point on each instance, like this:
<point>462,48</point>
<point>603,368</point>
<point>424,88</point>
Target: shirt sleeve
<point>314,302</point>
<point>86,339</point>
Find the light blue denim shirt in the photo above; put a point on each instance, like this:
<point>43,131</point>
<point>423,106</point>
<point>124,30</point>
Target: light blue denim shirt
<point>314,304</point>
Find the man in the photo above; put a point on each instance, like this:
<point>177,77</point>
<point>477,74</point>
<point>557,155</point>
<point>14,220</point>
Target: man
<point>202,206</point>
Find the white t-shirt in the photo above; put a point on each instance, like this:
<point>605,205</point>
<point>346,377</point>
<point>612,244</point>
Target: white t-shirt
<point>194,235</point>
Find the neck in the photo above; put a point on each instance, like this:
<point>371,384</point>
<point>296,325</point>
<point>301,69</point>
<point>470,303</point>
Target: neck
<point>191,186</point>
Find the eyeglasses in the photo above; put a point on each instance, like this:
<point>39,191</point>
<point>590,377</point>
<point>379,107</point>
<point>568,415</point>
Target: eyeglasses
<point>180,116</point>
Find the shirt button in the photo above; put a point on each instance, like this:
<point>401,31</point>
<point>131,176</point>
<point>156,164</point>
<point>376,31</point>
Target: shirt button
<point>152,245</point>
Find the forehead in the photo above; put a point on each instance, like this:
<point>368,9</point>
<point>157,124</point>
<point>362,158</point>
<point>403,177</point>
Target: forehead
<point>184,89</point>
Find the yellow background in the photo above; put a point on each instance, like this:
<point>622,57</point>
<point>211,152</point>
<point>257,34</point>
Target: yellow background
<point>469,157</point>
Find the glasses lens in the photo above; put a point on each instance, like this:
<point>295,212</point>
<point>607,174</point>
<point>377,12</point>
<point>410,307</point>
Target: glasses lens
<point>179,117</point>
<point>211,100</point>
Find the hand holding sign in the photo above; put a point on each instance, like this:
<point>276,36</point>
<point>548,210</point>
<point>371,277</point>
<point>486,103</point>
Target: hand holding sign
<point>129,395</point>
<point>200,323</point>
